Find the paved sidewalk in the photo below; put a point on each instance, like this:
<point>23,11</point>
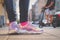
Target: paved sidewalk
<point>50,33</point>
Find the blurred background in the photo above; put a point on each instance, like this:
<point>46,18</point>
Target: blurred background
<point>35,7</point>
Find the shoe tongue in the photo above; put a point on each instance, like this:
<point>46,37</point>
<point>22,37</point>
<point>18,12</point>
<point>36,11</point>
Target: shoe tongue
<point>14,22</point>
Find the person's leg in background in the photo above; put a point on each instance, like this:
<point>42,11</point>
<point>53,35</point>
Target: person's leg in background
<point>51,20</point>
<point>47,14</point>
<point>11,14</point>
<point>24,24</point>
<point>51,16</point>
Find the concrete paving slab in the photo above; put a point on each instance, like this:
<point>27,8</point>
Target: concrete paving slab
<point>28,38</point>
<point>33,36</point>
<point>53,31</point>
<point>3,31</point>
<point>3,37</point>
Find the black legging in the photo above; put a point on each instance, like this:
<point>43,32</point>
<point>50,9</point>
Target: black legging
<point>24,10</point>
<point>23,4</point>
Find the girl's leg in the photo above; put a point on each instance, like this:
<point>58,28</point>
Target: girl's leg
<point>11,14</point>
<point>10,11</point>
<point>24,24</point>
<point>24,4</point>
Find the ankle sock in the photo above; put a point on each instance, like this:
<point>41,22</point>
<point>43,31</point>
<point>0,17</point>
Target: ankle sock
<point>24,23</point>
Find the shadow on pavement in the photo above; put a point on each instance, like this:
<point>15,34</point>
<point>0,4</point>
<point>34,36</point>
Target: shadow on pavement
<point>20,34</point>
